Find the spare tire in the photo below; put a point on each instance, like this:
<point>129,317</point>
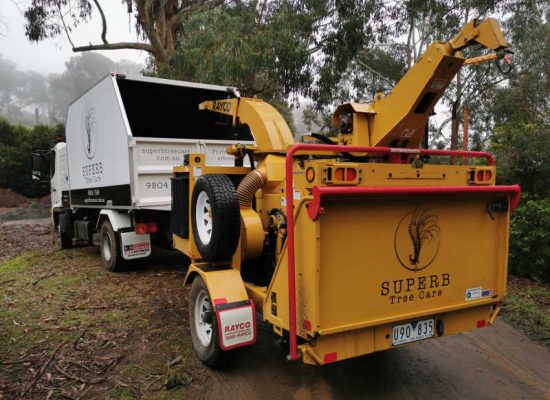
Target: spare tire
<point>215,217</point>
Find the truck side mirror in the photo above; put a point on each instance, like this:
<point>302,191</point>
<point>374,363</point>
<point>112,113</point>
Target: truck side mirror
<point>40,168</point>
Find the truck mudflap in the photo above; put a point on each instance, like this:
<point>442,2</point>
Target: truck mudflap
<point>135,246</point>
<point>390,289</point>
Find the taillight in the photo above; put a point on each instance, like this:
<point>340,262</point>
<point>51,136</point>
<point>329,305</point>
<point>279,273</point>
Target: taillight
<point>152,227</point>
<point>340,175</point>
<point>146,227</point>
<point>484,175</point>
<point>141,229</point>
<point>351,174</point>
<point>480,176</point>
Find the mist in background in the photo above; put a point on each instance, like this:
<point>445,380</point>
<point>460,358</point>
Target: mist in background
<point>31,98</point>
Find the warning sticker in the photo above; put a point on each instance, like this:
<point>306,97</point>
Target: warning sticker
<point>478,293</point>
<point>236,325</point>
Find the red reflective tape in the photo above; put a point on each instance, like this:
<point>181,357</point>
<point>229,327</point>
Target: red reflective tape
<point>221,300</point>
<point>481,323</point>
<point>307,325</point>
<point>330,357</point>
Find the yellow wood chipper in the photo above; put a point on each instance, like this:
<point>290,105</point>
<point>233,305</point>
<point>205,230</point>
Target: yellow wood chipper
<point>346,246</point>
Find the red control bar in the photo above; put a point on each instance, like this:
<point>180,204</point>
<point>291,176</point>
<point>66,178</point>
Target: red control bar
<point>315,209</point>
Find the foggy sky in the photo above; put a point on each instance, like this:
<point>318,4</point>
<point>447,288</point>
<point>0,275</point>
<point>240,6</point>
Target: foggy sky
<point>50,55</point>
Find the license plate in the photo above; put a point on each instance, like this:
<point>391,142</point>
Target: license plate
<point>412,331</point>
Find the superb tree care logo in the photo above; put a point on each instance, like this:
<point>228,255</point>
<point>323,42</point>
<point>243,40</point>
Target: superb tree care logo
<point>89,138</point>
<point>416,241</point>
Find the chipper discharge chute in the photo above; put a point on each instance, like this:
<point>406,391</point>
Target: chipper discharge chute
<point>351,246</point>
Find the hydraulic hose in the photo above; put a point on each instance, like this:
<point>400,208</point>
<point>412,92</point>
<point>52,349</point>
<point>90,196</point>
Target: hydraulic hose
<point>251,183</point>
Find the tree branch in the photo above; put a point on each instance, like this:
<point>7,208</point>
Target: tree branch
<point>64,25</point>
<point>116,46</point>
<point>207,5</point>
<point>103,23</point>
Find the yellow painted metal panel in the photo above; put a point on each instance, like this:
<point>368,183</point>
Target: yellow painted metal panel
<point>345,345</point>
<point>221,283</point>
<point>370,269</point>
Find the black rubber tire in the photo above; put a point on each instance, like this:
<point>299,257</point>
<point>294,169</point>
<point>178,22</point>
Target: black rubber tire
<point>211,355</point>
<point>109,248</point>
<point>65,230</point>
<point>226,217</point>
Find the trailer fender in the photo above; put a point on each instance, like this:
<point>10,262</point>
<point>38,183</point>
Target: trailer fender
<point>235,313</point>
<point>224,285</point>
<point>117,219</point>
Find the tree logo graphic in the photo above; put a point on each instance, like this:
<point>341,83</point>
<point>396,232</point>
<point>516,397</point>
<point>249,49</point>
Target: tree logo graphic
<point>416,240</point>
<point>89,139</point>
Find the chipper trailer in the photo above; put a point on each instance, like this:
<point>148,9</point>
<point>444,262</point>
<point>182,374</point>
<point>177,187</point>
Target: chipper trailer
<point>351,246</point>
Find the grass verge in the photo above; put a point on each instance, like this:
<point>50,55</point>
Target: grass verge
<point>70,329</point>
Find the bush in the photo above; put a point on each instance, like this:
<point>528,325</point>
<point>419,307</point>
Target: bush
<point>529,240</point>
<point>16,144</point>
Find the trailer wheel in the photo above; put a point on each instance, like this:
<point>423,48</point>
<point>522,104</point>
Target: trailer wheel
<point>109,248</point>
<point>215,217</point>
<point>65,230</point>
<point>204,327</point>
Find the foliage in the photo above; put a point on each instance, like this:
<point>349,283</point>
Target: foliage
<point>260,54</point>
<point>519,111</point>
<point>529,238</point>
<point>16,144</point>
<point>522,151</point>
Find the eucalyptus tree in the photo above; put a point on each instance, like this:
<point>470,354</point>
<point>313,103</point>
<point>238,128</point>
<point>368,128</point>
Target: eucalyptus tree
<point>157,22</point>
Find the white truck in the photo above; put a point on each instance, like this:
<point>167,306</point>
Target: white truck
<point>111,180</point>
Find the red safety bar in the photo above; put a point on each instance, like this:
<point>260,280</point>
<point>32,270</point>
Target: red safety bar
<point>315,209</point>
<point>395,157</point>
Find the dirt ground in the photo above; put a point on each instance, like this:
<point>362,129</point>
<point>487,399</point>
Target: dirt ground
<point>71,330</point>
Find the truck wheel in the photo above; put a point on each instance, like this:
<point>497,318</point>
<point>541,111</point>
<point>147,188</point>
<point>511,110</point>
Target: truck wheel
<point>204,327</point>
<point>65,230</point>
<point>215,217</point>
<point>109,248</point>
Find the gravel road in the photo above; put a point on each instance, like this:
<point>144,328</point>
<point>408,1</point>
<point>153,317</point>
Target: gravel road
<point>490,363</point>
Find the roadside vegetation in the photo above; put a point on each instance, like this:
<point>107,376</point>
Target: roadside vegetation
<point>528,307</point>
